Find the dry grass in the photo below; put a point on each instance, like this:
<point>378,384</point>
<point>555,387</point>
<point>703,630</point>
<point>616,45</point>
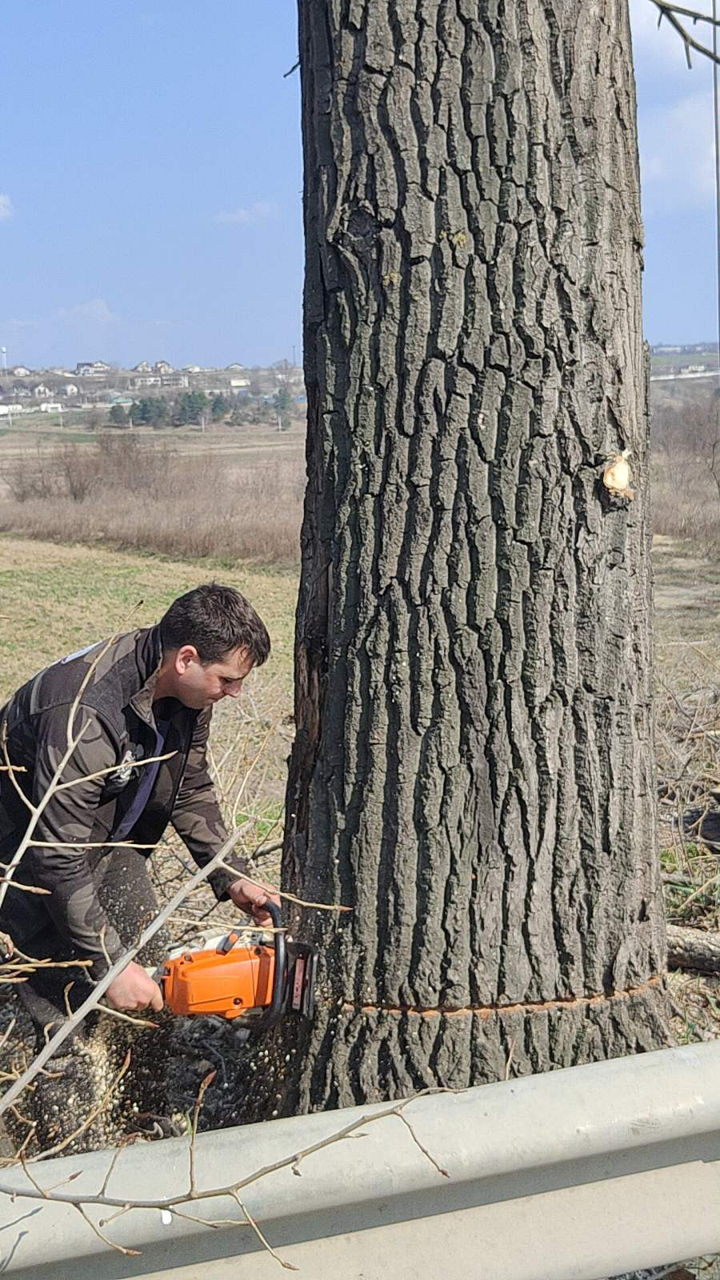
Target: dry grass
<point>685,501</point>
<point>130,494</point>
<point>685,474</point>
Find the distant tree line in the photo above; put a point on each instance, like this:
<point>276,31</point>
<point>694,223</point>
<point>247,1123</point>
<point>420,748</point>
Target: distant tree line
<point>197,407</point>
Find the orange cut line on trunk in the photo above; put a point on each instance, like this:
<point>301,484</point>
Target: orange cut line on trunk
<point>487,1010</point>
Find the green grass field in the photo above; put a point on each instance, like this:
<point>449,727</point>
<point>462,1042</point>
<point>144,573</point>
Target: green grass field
<point>54,599</point>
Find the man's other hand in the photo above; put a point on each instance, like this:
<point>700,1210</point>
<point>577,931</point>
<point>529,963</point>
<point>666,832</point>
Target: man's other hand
<point>134,989</point>
<point>252,897</point>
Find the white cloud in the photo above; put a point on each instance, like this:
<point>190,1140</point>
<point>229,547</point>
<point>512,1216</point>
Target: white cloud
<point>6,207</point>
<point>677,157</point>
<point>261,211</point>
<point>96,311</point>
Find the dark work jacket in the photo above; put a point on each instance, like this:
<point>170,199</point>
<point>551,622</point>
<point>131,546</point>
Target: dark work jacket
<point>114,728</point>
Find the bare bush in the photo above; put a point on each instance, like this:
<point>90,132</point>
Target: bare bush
<point>34,477</point>
<point>127,463</point>
<point>685,472</point>
<point>686,426</point>
<point>131,494</point>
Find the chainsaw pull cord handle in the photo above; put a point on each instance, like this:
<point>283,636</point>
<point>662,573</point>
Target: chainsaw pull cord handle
<point>274,1010</point>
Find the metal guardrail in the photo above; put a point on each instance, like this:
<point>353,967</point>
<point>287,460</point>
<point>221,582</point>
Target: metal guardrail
<point>574,1175</point>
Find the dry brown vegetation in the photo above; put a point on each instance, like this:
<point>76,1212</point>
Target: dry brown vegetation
<point>129,492</point>
<point>686,469</point>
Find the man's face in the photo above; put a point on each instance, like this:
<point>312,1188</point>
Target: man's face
<point>200,684</point>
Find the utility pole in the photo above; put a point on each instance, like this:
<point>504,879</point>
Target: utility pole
<point>3,352</point>
<point>716,138</point>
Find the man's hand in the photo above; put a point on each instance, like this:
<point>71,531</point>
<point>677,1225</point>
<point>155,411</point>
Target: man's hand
<point>134,989</point>
<point>252,897</point>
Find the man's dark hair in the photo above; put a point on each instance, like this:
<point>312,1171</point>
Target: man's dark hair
<point>215,620</point>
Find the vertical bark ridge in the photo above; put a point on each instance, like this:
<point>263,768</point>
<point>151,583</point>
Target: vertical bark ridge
<point>473,770</point>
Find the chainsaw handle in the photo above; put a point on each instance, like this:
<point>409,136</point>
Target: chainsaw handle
<point>275,1008</point>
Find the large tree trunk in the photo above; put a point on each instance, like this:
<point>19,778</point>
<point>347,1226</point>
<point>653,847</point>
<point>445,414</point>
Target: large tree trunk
<point>473,770</point>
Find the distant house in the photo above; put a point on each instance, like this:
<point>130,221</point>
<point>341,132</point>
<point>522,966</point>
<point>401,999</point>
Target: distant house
<point>70,389</point>
<point>41,392</point>
<point>192,368</point>
<point>162,366</point>
<point>234,368</point>
<point>21,391</point>
<point>143,367</point>
<point>237,383</point>
<point>49,407</point>
<point>91,368</point>
<point>147,380</point>
<point>20,371</point>
<point>175,381</point>
<point>7,409</point>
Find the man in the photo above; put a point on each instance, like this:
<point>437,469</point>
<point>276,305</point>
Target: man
<point>145,694</point>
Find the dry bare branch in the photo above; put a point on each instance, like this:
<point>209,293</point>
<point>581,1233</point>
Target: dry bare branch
<point>194,1126</point>
<point>288,1266</point>
<point>232,1189</point>
<point>119,1248</point>
<point>674,13</point>
<point>290,897</point>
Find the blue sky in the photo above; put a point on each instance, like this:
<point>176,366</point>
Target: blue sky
<point>150,182</point>
<point>677,167</point>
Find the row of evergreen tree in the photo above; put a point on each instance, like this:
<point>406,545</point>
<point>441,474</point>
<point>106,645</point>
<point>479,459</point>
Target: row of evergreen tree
<point>190,407</point>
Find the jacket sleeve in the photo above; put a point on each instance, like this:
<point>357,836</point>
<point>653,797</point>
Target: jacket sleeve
<point>196,813</point>
<point>68,817</point>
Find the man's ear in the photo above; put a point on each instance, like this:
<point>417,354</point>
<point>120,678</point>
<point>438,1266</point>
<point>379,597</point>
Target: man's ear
<point>185,657</point>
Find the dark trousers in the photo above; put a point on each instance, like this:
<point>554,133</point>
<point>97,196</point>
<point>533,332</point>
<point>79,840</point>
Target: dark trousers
<point>66,1093</point>
<point>128,898</point>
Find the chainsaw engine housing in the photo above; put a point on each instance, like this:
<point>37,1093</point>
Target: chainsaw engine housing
<point>258,982</point>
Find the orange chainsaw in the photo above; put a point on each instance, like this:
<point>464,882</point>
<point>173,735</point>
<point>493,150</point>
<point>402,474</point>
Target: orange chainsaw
<point>256,982</point>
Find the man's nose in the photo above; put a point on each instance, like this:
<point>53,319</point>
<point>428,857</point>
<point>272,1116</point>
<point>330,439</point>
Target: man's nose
<point>233,691</point>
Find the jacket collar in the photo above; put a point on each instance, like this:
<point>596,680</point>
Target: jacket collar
<point>149,657</point>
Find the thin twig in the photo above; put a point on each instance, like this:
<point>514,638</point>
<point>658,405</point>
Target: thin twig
<point>119,1248</point>
<point>127,1017</point>
<point>420,1146</point>
<point>670,11</point>
<point>263,1240</point>
<point>290,897</point>
<point>194,1127</point>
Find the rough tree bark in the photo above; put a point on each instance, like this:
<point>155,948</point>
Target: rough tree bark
<point>473,769</point>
